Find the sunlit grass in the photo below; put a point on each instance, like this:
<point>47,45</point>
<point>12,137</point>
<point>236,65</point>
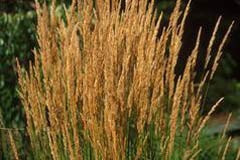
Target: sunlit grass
<point>103,84</point>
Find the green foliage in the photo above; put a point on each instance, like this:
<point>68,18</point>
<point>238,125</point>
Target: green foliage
<point>212,145</point>
<point>17,39</point>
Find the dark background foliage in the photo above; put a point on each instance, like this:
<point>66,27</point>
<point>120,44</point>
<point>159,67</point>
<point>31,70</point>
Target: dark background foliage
<point>226,82</point>
<point>17,39</point>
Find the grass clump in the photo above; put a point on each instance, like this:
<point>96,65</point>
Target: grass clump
<point>103,84</point>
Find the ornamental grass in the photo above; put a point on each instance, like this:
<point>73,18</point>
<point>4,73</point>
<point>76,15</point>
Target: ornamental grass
<point>103,84</point>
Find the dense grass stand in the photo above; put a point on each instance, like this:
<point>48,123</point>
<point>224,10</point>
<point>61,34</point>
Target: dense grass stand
<point>103,85</point>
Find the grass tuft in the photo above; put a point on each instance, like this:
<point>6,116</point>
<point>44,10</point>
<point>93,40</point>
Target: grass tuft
<point>103,84</point>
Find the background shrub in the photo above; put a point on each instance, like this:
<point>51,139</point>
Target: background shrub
<point>17,39</point>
